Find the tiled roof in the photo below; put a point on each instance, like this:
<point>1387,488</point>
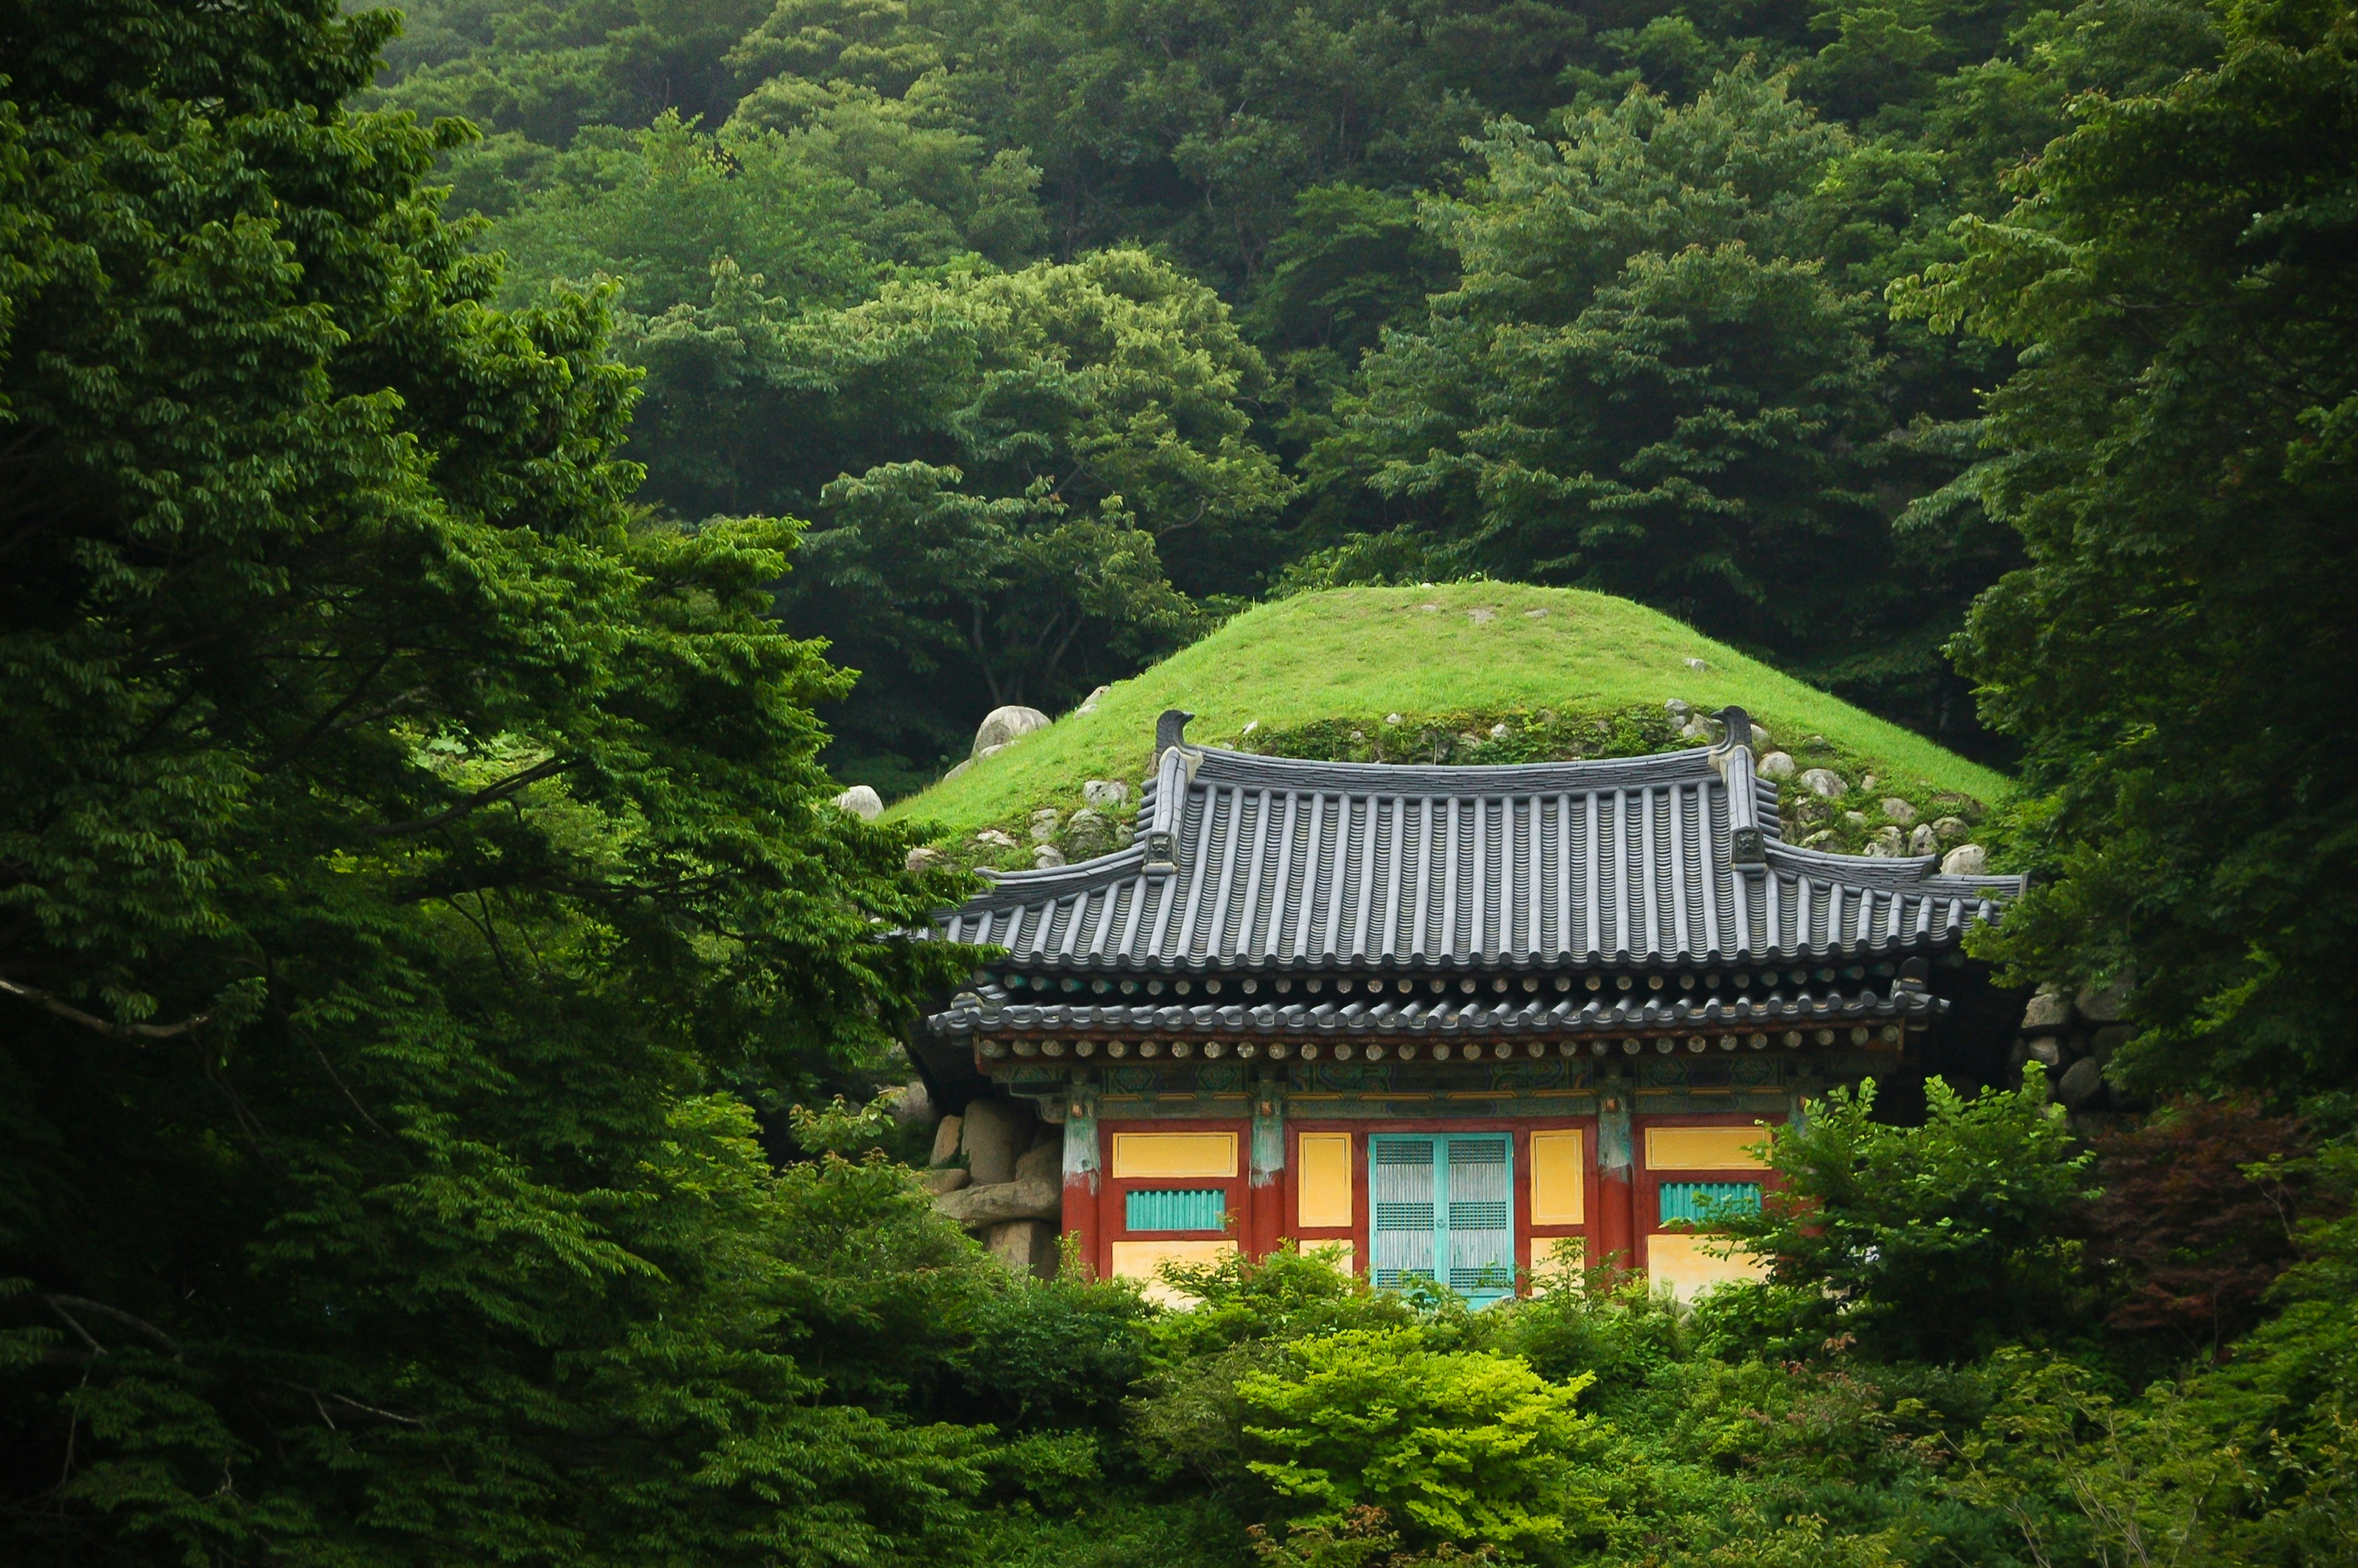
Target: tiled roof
<point>1269,865</point>
<point>992,1010</point>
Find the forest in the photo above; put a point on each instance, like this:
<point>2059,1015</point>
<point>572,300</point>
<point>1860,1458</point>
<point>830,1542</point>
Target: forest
<point>478,479</point>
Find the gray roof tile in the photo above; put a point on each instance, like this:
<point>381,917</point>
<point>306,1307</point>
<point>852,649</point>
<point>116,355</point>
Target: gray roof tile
<point>1289,866</point>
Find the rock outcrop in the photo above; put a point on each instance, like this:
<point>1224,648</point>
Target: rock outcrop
<point>1026,1245</point>
<point>996,1133</point>
<point>862,802</point>
<point>1002,725</point>
<point>995,1203</point>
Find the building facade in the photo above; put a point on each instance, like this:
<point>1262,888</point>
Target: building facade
<point>1459,1023</point>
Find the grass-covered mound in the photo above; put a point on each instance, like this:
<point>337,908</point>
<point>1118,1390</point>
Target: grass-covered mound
<point>1464,673</point>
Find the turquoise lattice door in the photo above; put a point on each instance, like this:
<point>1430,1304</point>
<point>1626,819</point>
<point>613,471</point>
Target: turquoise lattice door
<point>1444,1209</point>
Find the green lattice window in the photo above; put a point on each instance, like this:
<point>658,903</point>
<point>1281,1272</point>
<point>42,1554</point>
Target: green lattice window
<point>1704,1202</point>
<point>1186,1208</point>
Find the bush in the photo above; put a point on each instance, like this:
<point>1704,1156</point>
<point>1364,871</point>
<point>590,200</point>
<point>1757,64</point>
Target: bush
<point>1044,1353</point>
<point>1937,1242</point>
<point>1613,1328</point>
<point>1459,1445</point>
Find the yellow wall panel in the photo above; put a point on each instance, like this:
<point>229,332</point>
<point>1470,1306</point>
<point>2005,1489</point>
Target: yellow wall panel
<point>1140,1259</point>
<point>1341,1256</point>
<point>1553,1258</point>
<point>1558,1178</point>
<point>1681,1265</point>
<point>1703,1147</point>
<point>1157,1154</point>
<point>1322,1181</point>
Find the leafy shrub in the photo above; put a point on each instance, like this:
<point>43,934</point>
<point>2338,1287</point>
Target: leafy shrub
<point>2197,1216</point>
<point>1460,1446</point>
<point>1613,1328</point>
<point>1044,1354</point>
<point>1364,1538</point>
<point>1940,1241</point>
<point>1286,1295</point>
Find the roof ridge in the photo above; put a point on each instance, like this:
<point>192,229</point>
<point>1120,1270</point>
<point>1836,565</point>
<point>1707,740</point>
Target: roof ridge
<point>1576,775</point>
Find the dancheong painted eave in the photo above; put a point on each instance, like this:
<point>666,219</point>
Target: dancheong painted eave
<point>1263,865</point>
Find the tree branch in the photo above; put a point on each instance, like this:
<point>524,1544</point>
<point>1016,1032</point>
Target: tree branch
<point>57,1304</point>
<point>473,802</point>
<point>73,1014</point>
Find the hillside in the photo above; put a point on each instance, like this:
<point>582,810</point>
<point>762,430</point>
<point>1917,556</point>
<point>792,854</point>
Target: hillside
<point>1475,672</point>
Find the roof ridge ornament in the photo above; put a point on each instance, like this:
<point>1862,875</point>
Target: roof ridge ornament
<point>1171,729</point>
<point>1747,842</point>
<point>1170,791</point>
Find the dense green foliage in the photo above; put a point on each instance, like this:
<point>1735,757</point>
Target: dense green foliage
<point>410,884</point>
<point>1939,1243</point>
<point>1572,295</point>
<point>2181,459</point>
<point>421,919</point>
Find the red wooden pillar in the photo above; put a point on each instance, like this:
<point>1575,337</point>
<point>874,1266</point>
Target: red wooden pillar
<point>1263,1223</point>
<point>1082,1159</point>
<point>1617,1213</point>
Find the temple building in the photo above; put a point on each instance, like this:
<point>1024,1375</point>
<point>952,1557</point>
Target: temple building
<point>1454,1020</point>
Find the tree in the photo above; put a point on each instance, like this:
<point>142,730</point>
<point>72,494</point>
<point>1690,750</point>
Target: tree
<point>1937,1242</point>
<point>415,874</point>
<point>1644,383</point>
<point>1017,480</point>
<point>2181,456</point>
<point>2198,1216</point>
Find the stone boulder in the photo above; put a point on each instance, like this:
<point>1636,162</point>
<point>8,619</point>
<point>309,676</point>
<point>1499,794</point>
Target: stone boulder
<point>995,839</point>
<point>1776,765</point>
<point>946,1139</point>
<point>1886,844</point>
<point>1897,810</point>
<point>2047,1011</point>
<point>2104,1005</point>
<point>999,1202</point>
<point>861,802</point>
<point>1090,703</point>
<point>1044,823</point>
<point>1106,795</point>
<point>2105,1041</point>
<point>1087,833</point>
<point>2047,1050</point>
<point>2081,1085</point>
<point>996,1132</point>
<point>923,858</point>
<point>947,1179</point>
<point>1002,725</point>
<point>1825,784</point>
<point>1044,1162</point>
<point>913,1106</point>
<point>1046,857</point>
<point>1965,860</point>
<point>1026,1245</point>
<point>1922,840</point>
<point>1950,829</point>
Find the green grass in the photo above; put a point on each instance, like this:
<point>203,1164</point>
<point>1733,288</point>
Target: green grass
<point>1364,653</point>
